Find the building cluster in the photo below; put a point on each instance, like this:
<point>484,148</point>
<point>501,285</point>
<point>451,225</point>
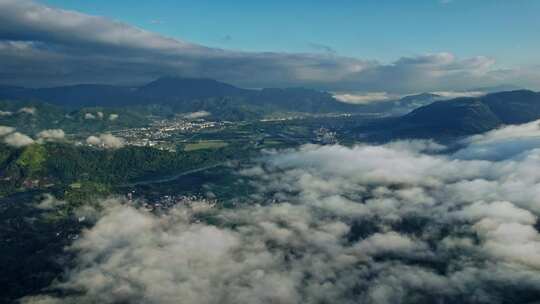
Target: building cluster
<point>195,202</point>
<point>160,133</point>
<point>325,137</point>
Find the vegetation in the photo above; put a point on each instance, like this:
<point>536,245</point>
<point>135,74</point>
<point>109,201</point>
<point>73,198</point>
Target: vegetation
<point>84,120</point>
<point>208,144</point>
<point>32,159</point>
<point>183,95</point>
<point>74,167</point>
<point>33,239</point>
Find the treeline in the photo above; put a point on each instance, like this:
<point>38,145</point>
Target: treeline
<point>127,164</point>
<point>59,164</point>
<point>40,116</point>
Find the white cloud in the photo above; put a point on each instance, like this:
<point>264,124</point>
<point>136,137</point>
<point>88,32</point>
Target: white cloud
<point>4,130</point>
<point>390,242</point>
<point>456,94</point>
<point>58,43</point>
<point>107,141</point>
<point>370,224</point>
<point>28,110</point>
<point>89,116</point>
<point>93,140</point>
<point>197,115</point>
<point>505,142</point>
<point>528,130</point>
<point>363,98</point>
<point>51,134</point>
<point>113,117</point>
<point>18,140</point>
<point>49,202</point>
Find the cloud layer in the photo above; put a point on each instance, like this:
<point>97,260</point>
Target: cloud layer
<point>40,46</point>
<point>503,143</point>
<point>331,224</point>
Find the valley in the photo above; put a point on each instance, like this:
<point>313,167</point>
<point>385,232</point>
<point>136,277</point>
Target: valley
<point>160,157</point>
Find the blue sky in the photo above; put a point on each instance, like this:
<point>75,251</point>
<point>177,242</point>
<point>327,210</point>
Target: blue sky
<point>384,30</point>
<point>395,47</point>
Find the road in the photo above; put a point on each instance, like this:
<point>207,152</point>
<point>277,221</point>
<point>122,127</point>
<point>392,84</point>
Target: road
<point>171,177</point>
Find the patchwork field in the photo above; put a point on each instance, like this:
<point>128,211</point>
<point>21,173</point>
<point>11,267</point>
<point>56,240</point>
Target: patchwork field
<point>205,144</point>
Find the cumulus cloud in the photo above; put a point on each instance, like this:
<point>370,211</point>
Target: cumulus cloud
<point>69,47</point>
<point>18,140</point>
<point>89,116</point>
<point>51,135</point>
<point>28,110</point>
<point>198,114</point>
<point>329,224</point>
<point>93,140</point>
<point>49,202</point>
<point>113,117</point>
<point>4,130</point>
<point>107,141</point>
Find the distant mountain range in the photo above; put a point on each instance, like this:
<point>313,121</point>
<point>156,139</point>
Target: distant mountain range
<point>195,94</point>
<point>460,116</point>
<point>185,95</point>
<point>403,105</point>
<point>417,116</point>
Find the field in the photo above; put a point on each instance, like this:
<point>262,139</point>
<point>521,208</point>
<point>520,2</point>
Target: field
<point>205,144</point>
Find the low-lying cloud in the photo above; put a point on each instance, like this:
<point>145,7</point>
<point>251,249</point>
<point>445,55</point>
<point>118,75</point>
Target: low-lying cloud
<point>506,142</point>
<point>18,140</point>
<point>28,110</point>
<point>456,94</point>
<point>51,135</point>
<point>398,223</point>
<point>89,116</point>
<point>5,130</point>
<point>197,115</point>
<point>363,98</point>
<point>106,140</point>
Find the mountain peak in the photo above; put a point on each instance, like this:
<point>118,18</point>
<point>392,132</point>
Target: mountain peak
<point>188,88</point>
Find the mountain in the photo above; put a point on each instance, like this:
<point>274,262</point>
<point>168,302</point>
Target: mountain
<point>514,107</point>
<point>188,88</point>
<point>403,105</point>
<point>301,100</point>
<point>459,117</point>
<point>497,88</point>
<point>84,95</point>
<point>34,116</point>
<point>185,95</point>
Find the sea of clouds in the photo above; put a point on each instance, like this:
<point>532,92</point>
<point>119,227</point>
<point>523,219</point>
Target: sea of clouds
<point>397,223</point>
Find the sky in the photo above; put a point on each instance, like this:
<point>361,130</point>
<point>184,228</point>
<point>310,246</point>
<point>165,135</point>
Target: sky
<point>382,30</point>
<point>395,47</point>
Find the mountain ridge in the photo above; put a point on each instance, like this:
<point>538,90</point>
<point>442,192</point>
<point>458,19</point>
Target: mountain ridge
<point>462,116</point>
